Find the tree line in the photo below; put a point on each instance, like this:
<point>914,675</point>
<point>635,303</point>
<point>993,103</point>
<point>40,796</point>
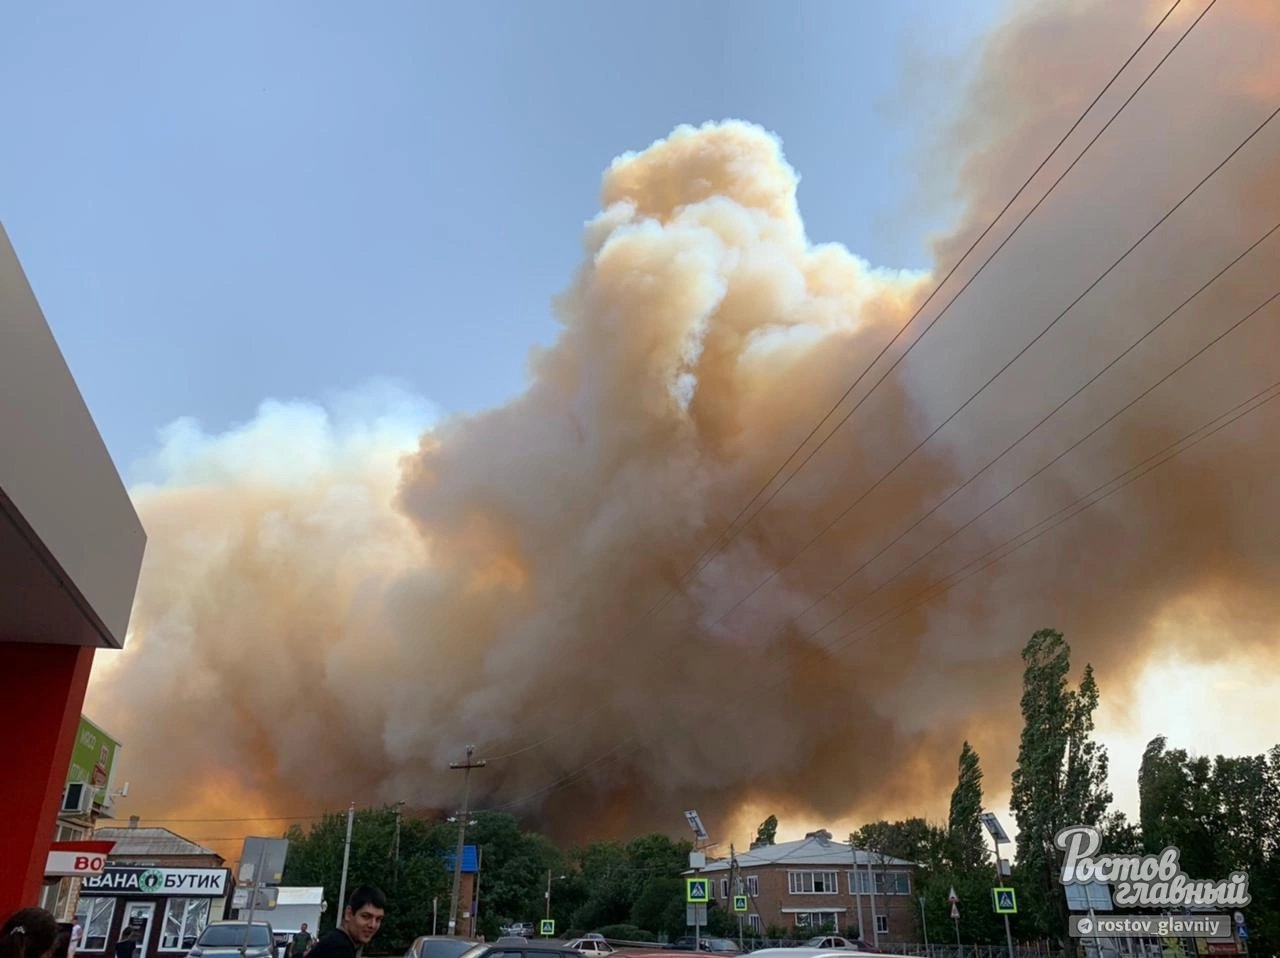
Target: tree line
<point>1222,813</point>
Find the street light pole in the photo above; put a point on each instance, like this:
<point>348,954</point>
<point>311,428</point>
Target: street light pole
<point>924,925</point>
<point>1008,934</point>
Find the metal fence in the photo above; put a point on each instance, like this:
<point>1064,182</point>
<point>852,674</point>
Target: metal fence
<point>1026,949</point>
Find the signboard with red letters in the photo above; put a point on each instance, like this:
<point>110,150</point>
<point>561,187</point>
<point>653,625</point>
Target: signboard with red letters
<point>77,858</point>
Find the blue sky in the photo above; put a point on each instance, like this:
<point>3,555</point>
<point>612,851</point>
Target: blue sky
<point>221,203</point>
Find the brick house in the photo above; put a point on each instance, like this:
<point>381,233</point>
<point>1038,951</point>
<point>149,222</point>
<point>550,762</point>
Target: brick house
<point>816,883</point>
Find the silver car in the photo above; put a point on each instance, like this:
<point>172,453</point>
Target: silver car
<point>224,939</point>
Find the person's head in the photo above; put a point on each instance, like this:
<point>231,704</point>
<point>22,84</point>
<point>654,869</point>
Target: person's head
<point>29,933</point>
<point>363,915</point>
<point>304,926</point>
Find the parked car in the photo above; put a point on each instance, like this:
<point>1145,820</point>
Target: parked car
<point>829,942</point>
<point>538,949</point>
<point>719,946</point>
<point>439,946</point>
<point>590,947</point>
<point>223,939</point>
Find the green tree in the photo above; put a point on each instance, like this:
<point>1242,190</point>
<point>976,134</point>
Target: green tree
<point>767,833</point>
<point>1223,815</point>
<point>911,839</point>
<point>1060,778</point>
<point>968,847</point>
<point>513,870</point>
<point>410,872</point>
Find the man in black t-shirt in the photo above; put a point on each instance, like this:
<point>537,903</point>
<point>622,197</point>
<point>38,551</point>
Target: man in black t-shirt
<point>361,920</point>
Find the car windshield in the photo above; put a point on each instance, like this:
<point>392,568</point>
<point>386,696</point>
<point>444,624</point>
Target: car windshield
<point>814,942</point>
<point>232,936</point>
<point>444,948</point>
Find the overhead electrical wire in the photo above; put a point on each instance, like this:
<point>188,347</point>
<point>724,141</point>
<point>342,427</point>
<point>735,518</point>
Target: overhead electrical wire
<point>1272,298</point>
<point>717,546</point>
<point>994,555</point>
<point>1053,412</point>
<point>999,372</point>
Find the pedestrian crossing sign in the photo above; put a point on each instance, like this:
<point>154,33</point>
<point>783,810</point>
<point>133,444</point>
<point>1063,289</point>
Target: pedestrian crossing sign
<point>1006,901</point>
<point>698,891</point>
<point>548,927</point>
<point>740,903</point>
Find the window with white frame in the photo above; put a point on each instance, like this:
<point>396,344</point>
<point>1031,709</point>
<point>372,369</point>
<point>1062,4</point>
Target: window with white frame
<point>184,919</point>
<point>755,922</point>
<point>886,883</point>
<point>813,883</point>
<point>724,888</point>
<point>893,883</point>
<point>882,924</point>
<point>816,921</point>
<point>753,886</point>
<point>94,916</point>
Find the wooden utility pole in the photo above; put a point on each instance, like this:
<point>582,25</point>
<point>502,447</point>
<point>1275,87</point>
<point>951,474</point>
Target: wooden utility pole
<point>466,767</point>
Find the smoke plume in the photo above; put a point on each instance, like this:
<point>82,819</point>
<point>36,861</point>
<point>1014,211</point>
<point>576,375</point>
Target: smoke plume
<point>335,602</point>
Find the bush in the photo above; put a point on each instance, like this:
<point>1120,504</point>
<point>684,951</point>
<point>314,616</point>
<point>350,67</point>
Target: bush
<point>627,933</point>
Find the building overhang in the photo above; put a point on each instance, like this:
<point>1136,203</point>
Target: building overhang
<point>71,543</point>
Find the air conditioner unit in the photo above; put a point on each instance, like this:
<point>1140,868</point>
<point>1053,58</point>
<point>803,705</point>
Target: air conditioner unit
<point>78,798</point>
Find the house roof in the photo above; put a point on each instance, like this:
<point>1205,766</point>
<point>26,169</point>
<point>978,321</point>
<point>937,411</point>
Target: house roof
<point>814,849</point>
<point>149,842</point>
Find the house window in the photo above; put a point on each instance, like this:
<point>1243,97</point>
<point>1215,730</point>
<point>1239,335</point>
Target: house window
<point>184,919</point>
<point>813,883</point>
<point>755,922</point>
<point>893,883</point>
<point>724,888</point>
<point>882,924</point>
<point>886,883</point>
<point>753,886</point>
<point>94,916</point>
<point>816,921</point>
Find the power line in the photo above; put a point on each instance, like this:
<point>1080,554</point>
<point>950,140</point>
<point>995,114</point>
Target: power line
<point>145,822</point>
<point>716,546</point>
<point>920,309</point>
<point>1064,514</point>
<point>998,373</point>
<point>1056,409</point>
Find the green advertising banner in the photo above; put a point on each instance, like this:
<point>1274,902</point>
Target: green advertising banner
<point>92,757</point>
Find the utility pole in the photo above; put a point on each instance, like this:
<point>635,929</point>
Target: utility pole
<point>346,860</point>
<point>395,850</point>
<point>466,767</point>
<point>735,885</point>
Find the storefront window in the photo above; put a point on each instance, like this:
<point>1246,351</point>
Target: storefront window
<point>184,919</point>
<point>94,915</point>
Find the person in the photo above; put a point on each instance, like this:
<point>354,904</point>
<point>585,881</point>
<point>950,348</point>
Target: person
<point>29,933</point>
<point>300,944</point>
<point>127,943</point>
<point>361,920</point>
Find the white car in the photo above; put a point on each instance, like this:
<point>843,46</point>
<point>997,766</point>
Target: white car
<point>590,946</point>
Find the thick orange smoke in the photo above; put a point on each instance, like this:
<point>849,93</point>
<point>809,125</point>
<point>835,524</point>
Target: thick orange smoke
<point>321,620</point>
